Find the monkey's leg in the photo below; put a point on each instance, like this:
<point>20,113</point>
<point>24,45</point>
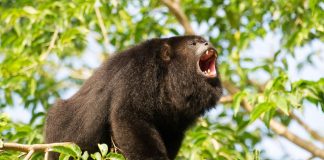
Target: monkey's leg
<point>137,139</point>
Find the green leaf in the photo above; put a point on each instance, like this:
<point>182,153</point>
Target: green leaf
<point>66,149</point>
<point>115,156</point>
<point>8,97</point>
<point>237,101</point>
<point>268,87</point>
<point>268,116</point>
<point>281,102</point>
<point>32,86</point>
<point>64,157</point>
<point>174,31</point>
<point>103,149</point>
<point>76,149</point>
<point>259,109</point>
<point>294,99</point>
<point>242,126</point>
<point>85,156</point>
<point>30,10</point>
<point>256,154</point>
<point>96,156</point>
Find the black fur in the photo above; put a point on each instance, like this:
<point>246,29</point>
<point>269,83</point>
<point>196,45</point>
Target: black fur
<point>144,98</point>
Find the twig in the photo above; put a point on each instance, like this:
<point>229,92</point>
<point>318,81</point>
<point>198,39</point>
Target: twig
<point>115,148</point>
<point>282,147</point>
<point>21,155</point>
<point>102,27</point>
<point>260,87</point>
<point>46,155</point>
<point>311,157</point>
<point>51,45</point>
<point>30,153</point>
<point>226,99</point>
<point>174,7</point>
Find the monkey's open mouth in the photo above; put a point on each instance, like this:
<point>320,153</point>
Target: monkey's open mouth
<point>207,63</point>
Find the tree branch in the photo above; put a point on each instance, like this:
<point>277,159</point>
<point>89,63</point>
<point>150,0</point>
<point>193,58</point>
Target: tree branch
<point>31,149</point>
<point>51,45</point>
<point>279,128</point>
<point>46,156</point>
<point>283,131</point>
<point>28,156</point>
<point>313,133</point>
<point>174,7</point>
<point>102,27</point>
<point>226,99</point>
<point>274,125</point>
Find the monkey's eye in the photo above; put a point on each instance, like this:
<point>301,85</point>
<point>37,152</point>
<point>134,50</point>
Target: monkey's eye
<point>193,43</point>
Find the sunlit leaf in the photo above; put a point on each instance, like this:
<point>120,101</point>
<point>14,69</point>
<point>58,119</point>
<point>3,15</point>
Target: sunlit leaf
<point>237,101</point>
<point>259,109</point>
<point>96,156</point>
<point>103,149</point>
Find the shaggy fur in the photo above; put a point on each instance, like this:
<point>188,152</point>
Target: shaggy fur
<point>143,98</point>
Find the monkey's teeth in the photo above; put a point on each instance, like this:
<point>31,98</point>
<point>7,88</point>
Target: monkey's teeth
<point>206,52</point>
<point>208,71</point>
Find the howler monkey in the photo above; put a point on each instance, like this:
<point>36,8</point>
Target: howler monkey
<point>143,99</point>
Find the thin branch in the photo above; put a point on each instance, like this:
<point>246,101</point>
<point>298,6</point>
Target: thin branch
<point>282,146</point>
<point>226,99</point>
<point>46,155</point>
<point>22,154</point>
<point>114,147</point>
<point>31,149</point>
<point>274,125</point>
<point>35,147</point>
<point>260,87</point>
<point>174,7</point>
<point>309,130</point>
<point>311,157</point>
<point>51,45</point>
<point>28,156</point>
<point>313,133</point>
<point>102,27</point>
<point>281,129</point>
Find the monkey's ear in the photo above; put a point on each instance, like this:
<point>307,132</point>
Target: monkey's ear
<point>165,52</point>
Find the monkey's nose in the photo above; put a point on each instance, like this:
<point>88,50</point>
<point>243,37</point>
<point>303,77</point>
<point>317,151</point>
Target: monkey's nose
<point>202,41</point>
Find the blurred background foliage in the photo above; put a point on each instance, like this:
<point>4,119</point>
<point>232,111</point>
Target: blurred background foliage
<point>46,48</point>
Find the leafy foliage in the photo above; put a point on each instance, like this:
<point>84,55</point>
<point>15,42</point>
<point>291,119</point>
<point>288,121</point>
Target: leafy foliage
<point>43,44</point>
<point>73,151</point>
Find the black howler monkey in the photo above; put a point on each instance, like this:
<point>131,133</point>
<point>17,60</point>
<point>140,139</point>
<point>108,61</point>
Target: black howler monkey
<point>143,98</point>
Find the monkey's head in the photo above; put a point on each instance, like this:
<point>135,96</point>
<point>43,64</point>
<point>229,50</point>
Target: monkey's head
<point>192,63</point>
<point>193,49</point>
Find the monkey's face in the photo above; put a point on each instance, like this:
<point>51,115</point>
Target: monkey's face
<point>205,56</point>
<point>198,51</point>
<point>192,69</point>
